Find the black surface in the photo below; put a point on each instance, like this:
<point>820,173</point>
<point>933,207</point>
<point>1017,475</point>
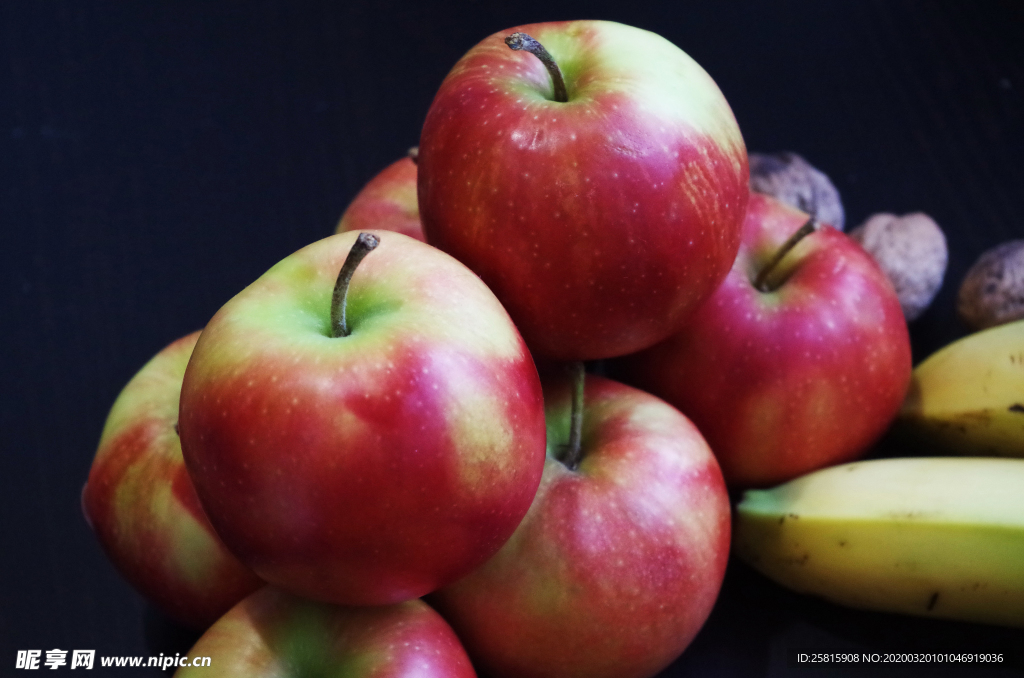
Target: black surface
<point>157,157</point>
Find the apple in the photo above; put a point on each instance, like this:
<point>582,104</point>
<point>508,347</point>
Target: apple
<point>805,372</point>
<point>387,201</point>
<point>274,634</point>
<point>143,508</point>
<point>371,464</point>
<point>619,560</point>
<point>600,220</point>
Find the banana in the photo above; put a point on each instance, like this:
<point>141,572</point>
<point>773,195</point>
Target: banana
<point>968,397</point>
<point>937,537</point>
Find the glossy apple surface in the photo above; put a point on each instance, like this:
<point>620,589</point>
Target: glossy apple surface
<point>388,202</point>
<point>272,634</point>
<point>600,222</point>
<point>804,376</point>
<point>143,508</point>
<point>617,564</point>
<point>370,468</point>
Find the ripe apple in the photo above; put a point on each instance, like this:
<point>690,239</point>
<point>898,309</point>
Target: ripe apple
<point>143,509</point>
<point>805,373</point>
<point>602,220</point>
<point>387,201</point>
<point>619,560</point>
<point>274,634</point>
<point>374,467</point>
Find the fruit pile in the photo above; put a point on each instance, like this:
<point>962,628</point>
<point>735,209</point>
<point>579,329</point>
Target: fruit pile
<point>401,411</point>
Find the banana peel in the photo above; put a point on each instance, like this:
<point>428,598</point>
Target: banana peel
<point>968,397</point>
<point>934,537</point>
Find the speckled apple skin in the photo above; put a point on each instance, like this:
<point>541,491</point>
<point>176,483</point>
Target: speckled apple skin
<point>788,381</point>
<point>617,564</point>
<point>600,222</point>
<point>272,634</point>
<point>372,468</point>
<point>388,202</point>
<point>143,508</point>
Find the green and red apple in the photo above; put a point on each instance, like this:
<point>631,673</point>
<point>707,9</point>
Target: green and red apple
<point>803,371</point>
<point>272,634</point>
<point>143,508</point>
<point>373,467</point>
<point>619,560</point>
<point>602,220</point>
<point>387,201</point>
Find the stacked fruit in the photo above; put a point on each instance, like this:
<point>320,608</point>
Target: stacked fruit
<point>366,424</point>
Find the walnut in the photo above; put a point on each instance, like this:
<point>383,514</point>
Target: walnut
<point>911,250</point>
<point>791,179</point>
<point>992,292</point>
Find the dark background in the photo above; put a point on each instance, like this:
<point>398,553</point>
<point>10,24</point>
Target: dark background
<point>157,157</point>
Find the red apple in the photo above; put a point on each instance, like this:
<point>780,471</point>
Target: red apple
<point>618,562</point>
<point>387,201</point>
<point>804,374</point>
<point>272,634</point>
<point>142,507</point>
<point>601,221</point>
<point>374,467</point>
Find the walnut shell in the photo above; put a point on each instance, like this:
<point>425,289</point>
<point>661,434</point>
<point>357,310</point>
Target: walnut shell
<point>992,292</point>
<point>912,252</point>
<point>791,179</point>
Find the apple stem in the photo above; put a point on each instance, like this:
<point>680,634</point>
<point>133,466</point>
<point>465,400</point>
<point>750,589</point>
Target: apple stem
<point>364,244</point>
<point>414,155</point>
<point>760,282</point>
<point>522,41</point>
<point>571,456</point>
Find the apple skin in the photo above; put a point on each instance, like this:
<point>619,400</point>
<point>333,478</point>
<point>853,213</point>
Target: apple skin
<point>785,382</point>
<point>617,564</point>
<point>602,222</point>
<point>272,634</point>
<point>143,508</point>
<point>388,202</point>
<point>373,468</point>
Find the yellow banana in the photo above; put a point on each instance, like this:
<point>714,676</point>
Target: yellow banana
<point>939,537</point>
<point>968,398</point>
